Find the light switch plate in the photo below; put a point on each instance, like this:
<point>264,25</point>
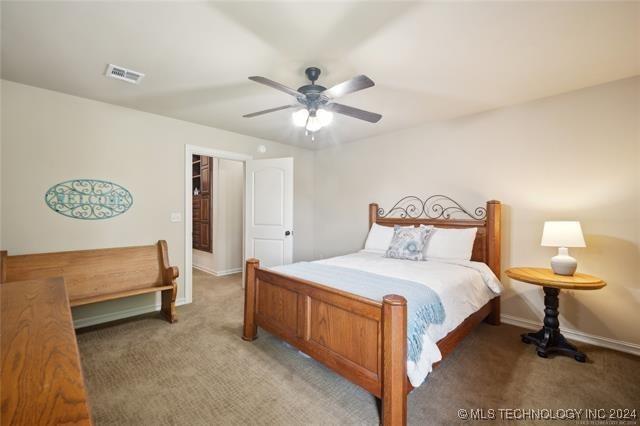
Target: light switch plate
<point>176,217</point>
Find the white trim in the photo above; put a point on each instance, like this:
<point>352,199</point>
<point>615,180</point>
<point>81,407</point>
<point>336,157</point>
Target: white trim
<point>190,150</point>
<point>125,313</point>
<point>217,153</point>
<point>605,342</point>
<point>218,273</point>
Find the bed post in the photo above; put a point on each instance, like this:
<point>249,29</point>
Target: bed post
<point>493,253</point>
<point>250,329</point>
<point>373,214</point>
<point>394,360</point>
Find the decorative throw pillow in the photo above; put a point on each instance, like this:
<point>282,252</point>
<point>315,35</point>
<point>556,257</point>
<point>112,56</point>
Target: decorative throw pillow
<point>407,243</point>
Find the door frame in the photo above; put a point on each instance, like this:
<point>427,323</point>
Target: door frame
<point>189,151</point>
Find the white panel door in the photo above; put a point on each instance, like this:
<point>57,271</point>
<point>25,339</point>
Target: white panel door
<point>269,211</point>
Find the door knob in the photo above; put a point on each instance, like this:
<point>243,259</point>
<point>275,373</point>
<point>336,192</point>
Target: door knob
<point>287,233</point>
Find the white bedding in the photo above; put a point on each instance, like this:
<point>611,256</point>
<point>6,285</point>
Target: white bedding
<point>463,287</point>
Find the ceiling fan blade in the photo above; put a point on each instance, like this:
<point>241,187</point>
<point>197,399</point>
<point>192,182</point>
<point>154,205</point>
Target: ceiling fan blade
<point>267,111</point>
<point>356,83</point>
<point>361,114</point>
<point>276,85</point>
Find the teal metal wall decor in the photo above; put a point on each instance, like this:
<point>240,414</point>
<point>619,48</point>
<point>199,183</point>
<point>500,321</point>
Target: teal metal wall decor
<point>88,199</point>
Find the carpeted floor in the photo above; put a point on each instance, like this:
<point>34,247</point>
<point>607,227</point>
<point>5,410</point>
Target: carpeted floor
<point>198,371</point>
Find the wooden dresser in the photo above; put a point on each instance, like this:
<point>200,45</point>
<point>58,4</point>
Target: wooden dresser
<point>42,381</point>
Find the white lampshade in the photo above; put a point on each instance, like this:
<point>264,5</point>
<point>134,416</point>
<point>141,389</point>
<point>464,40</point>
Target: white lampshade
<point>300,117</point>
<point>562,234</point>
<point>325,117</point>
<point>314,124</point>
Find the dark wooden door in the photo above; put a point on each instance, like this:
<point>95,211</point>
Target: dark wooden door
<point>205,180</point>
<point>202,220</point>
<point>205,237</point>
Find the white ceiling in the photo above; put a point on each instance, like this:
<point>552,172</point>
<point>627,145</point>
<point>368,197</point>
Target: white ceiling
<point>430,61</point>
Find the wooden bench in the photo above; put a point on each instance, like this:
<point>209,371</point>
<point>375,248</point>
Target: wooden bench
<point>42,381</point>
<point>93,276</point>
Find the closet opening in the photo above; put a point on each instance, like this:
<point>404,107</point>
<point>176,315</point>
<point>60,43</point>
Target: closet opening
<point>217,192</point>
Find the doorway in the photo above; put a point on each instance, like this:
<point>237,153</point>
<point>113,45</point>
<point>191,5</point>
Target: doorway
<point>217,214</point>
<point>202,256</point>
<point>266,219</point>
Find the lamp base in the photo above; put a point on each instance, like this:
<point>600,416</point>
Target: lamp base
<point>562,263</point>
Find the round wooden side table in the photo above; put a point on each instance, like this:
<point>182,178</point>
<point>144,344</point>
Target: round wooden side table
<point>549,340</point>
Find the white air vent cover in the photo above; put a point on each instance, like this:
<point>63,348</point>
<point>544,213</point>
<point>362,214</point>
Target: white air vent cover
<point>124,74</point>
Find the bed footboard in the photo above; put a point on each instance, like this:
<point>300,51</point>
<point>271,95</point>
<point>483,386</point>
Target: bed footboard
<point>363,340</point>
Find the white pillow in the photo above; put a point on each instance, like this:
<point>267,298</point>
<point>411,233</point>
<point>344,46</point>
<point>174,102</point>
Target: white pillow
<point>380,237</point>
<point>445,243</point>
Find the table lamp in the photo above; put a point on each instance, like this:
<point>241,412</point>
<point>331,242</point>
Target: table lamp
<point>563,234</point>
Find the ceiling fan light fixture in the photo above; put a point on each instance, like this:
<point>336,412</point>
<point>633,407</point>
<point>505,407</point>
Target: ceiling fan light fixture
<point>314,124</point>
<point>300,117</point>
<point>325,117</point>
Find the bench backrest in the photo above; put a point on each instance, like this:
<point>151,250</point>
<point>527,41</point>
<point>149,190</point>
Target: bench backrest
<point>90,273</point>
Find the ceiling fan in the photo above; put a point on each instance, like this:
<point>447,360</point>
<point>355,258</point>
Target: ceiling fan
<point>318,102</point>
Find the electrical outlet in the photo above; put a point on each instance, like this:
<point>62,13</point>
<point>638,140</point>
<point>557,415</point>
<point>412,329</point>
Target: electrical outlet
<point>176,217</point>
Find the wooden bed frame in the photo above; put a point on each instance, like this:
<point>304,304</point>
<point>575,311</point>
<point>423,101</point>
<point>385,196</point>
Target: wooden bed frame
<point>364,340</point>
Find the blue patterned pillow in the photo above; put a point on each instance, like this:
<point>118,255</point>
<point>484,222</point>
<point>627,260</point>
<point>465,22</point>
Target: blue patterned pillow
<point>407,243</point>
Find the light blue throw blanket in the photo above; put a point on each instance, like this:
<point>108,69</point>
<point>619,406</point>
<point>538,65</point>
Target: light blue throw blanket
<point>423,304</point>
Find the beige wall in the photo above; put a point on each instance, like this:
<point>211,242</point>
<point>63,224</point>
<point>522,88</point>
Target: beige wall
<point>226,194</point>
<point>574,156</point>
<point>49,137</point>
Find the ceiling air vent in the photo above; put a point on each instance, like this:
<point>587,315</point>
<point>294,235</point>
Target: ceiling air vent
<point>124,74</point>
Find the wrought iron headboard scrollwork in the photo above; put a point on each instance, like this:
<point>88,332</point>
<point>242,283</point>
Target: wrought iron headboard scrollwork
<point>433,207</point>
<point>441,211</point>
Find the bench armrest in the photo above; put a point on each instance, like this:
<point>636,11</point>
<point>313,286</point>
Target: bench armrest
<point>170,274</point>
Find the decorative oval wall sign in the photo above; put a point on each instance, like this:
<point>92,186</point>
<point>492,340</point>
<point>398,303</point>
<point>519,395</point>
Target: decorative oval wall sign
<point>89,199</point>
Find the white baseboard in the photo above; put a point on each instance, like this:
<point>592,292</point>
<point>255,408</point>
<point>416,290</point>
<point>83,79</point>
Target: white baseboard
<point>605,342</point>
<point>124,313</point>
<point>205,269</point>
<point>218,273</point>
